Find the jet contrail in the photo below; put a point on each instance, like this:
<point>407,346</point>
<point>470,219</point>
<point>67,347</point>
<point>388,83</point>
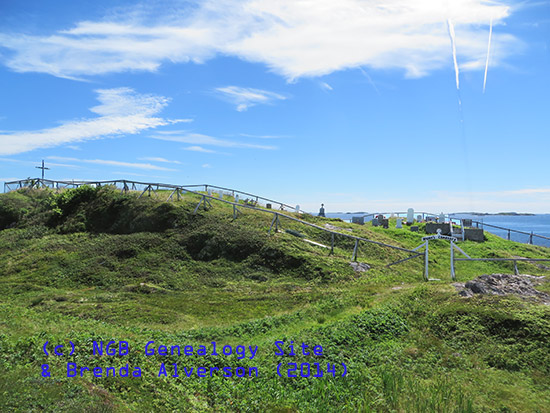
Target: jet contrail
<point>370,80</point>
<point>452,36</point>
<point>488,52</point>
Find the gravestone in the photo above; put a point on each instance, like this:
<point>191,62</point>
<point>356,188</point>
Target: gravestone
<point>398,223</point>
<point>441,218</point>
<point>414,228</point>
<point>375,222</point>
<point>385,223</point>
<point>433,227</point>
<point>297,209</point>
<point>474,234</point>
<point>419,218</point>
<point>268,206</point>
<point>221,195</point>
<point>358,220</point>
<point>237,198</point>
<point>467,222</point>
<point>209,192</point>
<point>410,216</point>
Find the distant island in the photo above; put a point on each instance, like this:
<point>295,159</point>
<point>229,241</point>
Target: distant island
<point>498,213</point>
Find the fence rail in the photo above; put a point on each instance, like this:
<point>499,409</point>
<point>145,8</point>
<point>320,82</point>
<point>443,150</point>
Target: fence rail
<point>205,198</point>
<point>531,234</point>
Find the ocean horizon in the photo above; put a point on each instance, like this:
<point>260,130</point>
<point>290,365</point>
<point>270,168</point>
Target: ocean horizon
<point>537,223</point>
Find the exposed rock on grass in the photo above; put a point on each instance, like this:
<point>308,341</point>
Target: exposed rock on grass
<point>522,285</point>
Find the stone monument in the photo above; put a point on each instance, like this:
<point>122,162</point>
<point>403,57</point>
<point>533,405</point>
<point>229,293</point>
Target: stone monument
<point>410,216</point>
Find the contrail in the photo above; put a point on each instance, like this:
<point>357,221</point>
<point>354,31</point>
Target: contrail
<point>452,36</point>
<point>370,80</point>
<point>488,52</point>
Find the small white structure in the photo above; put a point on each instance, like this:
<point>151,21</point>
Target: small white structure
<point>398,223</point>
<point>237,198</point>
<point>410,216</point>
<point>441,218</point>
<point>297,209</point>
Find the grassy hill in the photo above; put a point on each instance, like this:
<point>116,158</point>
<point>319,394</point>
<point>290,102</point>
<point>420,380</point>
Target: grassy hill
<point>92,264</point>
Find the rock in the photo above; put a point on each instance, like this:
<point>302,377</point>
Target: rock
<point>359,266</point>
<point>503,284</point>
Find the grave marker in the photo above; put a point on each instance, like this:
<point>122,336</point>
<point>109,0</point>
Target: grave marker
<point>410,216</point>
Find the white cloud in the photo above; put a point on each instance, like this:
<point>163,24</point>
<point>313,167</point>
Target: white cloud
<point>147,166</point>
<point>157,159</point>
<point>294,38</point>
<point>200,139</point>
<point>199,149</point>
<point>121,111</point>
<point>326,86</point>
<point>264,136</point>
<point>244,97</point>
<point>206,165</point>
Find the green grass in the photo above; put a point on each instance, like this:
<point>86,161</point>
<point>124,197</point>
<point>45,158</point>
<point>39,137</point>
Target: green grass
<point>94,264</point>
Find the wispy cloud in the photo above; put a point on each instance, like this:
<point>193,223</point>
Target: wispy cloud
<point>207,165</point>
<point>244,97</point>
<point>157,159</point>
<point>326,86</point>
<point>147,166</point>
<point>294,38</point>
<point>199,149</point>
<point>32,163</point>
<point>246,135</point>
<point>200,139</point>
<point>121,111</point>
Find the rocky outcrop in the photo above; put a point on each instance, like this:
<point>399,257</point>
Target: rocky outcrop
<point>522,285</point>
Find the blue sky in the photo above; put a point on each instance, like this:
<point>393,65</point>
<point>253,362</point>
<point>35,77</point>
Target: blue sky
<point>353,103</point>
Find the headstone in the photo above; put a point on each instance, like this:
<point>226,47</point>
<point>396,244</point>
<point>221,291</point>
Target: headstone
<point>237,198</point>
<point>385,223</point>
<point>398,223</point>
<point>441,218</point>
<point>433,227</point>
<point>221,195</point>
<point>268,206</point>
<point>375,222</point>
<point>474,234</point>
<point>209,192</point>
<point>410,216</point>
<point>414,228</point>
<point>297,209</point>
<point>358,220</point>
<point>467,222</point>
<point>419,218</point>
<point>392,215</point>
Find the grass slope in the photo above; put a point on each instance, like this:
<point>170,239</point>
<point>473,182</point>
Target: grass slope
<point>92,264</point>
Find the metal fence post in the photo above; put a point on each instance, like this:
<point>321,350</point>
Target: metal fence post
<point>453,261</point>
<point>354,257</point>
<point>426,257</point>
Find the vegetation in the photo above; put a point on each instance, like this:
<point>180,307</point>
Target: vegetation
<point>94,264</point>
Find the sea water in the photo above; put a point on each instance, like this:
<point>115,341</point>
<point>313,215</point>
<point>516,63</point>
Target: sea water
<point>538,224</point>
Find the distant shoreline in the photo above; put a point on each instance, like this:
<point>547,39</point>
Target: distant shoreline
<point>497,213</point>
<point>458,213</point>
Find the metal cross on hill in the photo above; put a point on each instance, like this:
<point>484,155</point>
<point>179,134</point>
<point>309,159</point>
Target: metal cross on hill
<point>43,168</point>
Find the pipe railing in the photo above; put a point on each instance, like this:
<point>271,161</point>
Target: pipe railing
<point>205,198</point>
